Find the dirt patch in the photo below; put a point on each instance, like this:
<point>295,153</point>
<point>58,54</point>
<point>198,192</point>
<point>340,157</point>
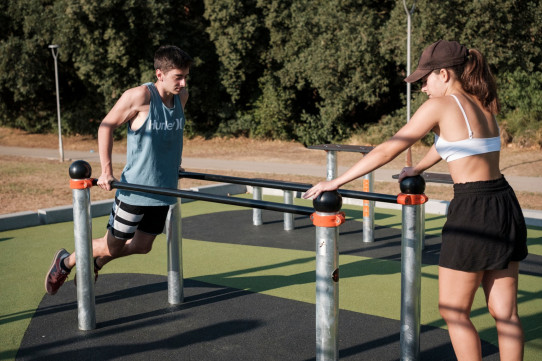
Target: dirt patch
<point>29,184</point>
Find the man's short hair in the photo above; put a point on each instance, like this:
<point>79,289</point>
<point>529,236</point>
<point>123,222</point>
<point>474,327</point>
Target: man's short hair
<point>169,57</point>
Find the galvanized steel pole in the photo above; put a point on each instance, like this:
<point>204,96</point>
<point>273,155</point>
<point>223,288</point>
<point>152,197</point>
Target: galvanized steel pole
<point>174,254</point>
<point>257,212</point>
<point>331,164</point>
<point>80,172</point>
<point>289,217</point>
<point>327,220</point>
<point>368,210</point>
<point>411,260</point>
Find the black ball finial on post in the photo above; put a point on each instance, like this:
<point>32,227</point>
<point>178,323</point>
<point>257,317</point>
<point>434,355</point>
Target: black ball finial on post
<point>80,170</point>
<point>328,202</point>
<point>412,185</point>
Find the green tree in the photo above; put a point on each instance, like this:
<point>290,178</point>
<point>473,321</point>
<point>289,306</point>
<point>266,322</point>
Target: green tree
<point>507,32</point>
<point>26,66</point>
<point>326,52</point>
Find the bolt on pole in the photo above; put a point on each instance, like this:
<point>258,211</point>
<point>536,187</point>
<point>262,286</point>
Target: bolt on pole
<point>54,51</point>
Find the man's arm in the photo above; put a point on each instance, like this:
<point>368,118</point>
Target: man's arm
<point>127,107</point>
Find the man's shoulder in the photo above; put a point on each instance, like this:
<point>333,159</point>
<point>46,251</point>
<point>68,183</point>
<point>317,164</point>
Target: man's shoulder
<point>139,94</point>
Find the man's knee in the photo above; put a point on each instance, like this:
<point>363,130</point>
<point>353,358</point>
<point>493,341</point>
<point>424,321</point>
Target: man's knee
<point>142,242</point>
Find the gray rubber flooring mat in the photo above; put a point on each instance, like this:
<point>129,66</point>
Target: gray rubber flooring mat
<point>135,322</point>
<point>236,227</point>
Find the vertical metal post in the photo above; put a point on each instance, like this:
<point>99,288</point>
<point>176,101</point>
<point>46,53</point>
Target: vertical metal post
<point>82,230</point>
<point>289,217</point>
<point>368,209</point>
<point>256,212</point>
<point>54,50</point>
<point>327,294</point>
<point>331,164</point>
<point>422,225</point>
<point>411,254</point>
<point>327,221</point>
<point>174,254</point>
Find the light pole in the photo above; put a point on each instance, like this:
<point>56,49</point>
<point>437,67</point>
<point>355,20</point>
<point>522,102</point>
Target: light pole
<point>409,14</point>
<point>54,50</point>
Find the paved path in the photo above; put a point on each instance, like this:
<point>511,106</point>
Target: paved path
<point>528,184</point>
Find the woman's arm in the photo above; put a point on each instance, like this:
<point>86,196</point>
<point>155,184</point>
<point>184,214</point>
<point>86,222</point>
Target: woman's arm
<point>429,160</point>
<point>421,123</point>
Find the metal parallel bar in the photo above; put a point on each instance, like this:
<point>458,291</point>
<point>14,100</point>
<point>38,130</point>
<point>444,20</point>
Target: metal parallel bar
<point>264,183</point>
<point>300,187</point>
<point>250,203</point>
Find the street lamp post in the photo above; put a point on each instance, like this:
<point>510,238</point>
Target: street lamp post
<point>54,50</point>
<point>409,13</point>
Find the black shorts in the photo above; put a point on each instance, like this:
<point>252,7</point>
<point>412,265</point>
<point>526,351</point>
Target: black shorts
<point>125,219</point>
<point>485,229</point>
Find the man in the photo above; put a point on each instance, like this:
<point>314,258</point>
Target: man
<point>155,116</point>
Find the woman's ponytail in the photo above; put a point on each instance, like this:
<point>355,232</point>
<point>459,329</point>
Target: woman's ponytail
<point>478,80</point>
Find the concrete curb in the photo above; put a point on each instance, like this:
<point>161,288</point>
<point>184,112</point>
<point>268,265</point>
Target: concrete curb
<point>102,208</point>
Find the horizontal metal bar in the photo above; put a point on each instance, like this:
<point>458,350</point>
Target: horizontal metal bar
<point>250,203</point>
<point>343,148</point>
<point>443,178</point>
<point>368,196</point>
<point>255,182</point>
<point>289,186</point>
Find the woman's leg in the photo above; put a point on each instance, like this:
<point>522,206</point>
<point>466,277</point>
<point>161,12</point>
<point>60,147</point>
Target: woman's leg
<point>500,288</point>
<point>456,294</point>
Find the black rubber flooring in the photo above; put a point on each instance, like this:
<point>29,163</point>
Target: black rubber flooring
<point>135,321</point>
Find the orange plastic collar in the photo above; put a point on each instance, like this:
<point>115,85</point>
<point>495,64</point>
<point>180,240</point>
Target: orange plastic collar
<point>411,199</point>
<point>333,220</point>
<point>81,183</point>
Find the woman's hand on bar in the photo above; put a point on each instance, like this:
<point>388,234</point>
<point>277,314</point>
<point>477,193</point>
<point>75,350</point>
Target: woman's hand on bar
<point>316,190</point>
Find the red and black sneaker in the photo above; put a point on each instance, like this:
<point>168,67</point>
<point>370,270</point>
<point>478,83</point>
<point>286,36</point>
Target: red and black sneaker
<point>56,275</point>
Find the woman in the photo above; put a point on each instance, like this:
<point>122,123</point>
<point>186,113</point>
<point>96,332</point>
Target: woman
<point>485,235</point>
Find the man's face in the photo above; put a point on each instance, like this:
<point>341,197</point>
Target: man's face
<point>174,80</point>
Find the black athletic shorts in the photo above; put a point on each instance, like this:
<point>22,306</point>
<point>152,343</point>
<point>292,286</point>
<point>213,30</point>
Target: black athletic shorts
<point>125,219</point>
<point>485,229</point>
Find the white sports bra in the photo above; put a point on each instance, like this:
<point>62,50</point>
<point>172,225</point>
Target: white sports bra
<point>451,151</point>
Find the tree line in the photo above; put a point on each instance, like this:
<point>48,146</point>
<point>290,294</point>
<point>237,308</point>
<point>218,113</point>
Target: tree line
<point>310,70</point>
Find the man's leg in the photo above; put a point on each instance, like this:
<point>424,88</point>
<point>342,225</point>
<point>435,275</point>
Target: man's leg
<point>63,262</point>
<point>141,243</point>
<point>131,230</point>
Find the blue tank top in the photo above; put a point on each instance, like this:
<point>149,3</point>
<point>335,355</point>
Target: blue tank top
<point>154,152</point>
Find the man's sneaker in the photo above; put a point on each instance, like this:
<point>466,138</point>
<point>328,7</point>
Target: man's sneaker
<point>96,269</point>
<point>56,275</point>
